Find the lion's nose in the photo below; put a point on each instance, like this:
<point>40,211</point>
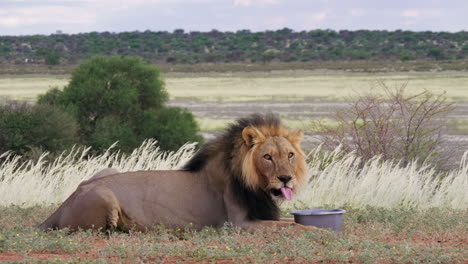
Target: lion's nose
<point>284,178</point>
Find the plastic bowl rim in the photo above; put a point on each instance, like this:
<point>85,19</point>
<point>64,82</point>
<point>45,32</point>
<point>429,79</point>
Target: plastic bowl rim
<point>318,211</point>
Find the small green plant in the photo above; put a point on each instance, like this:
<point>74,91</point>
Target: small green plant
<point>51,56</point>
<point>25,127</point>
<point>406,57</point>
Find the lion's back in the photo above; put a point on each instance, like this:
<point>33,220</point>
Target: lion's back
<point>170,197</point>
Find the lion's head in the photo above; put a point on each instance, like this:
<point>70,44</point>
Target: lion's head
<point>273,160</point>
<point>262,160</point>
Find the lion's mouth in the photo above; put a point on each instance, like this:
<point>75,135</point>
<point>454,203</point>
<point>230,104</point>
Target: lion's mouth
<point>285,192</point>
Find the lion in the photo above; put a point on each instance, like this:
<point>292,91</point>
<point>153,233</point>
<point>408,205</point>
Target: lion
<point>240,177</point>
<point>102,173</point>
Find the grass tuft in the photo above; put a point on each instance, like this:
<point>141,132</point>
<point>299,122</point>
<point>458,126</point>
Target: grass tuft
<point>337,179</point>
<point>42,183</point>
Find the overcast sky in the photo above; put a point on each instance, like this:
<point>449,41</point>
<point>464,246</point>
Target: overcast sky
<point>26,17</point>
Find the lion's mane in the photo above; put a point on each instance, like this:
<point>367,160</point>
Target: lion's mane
<point>237,162</point>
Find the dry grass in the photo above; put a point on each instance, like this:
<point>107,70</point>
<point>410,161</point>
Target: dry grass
<point>27,87</point>
<point>340,179</point>
<point>337,179</point>
<point>283,86</point>
<point>44,183</point>
<point>276,86</point>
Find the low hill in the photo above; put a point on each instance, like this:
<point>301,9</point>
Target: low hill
<point>243,46</point>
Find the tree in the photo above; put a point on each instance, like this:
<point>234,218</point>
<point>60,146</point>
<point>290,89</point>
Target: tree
<point>435,53</point>
<point>51,57</point>
<point>240,46</point>
<point>113,99</point>
<point>400,126</point>
<point>269,55</point>
<point>115,86</point>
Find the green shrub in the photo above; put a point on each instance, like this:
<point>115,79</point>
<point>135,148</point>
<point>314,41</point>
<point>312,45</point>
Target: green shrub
<point>112,129</point>
<point>171,126</point>
<point>113,99</point>
<point>115,86</point>
<point>51,56</point>
<point>405,57</point>
<point>435,53</point>
<point>24,127</point>
<point>51,97</point>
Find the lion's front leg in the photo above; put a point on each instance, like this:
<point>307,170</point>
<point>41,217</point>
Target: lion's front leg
<point>237,215</point>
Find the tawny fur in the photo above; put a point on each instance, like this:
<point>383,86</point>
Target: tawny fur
<point>229,179</point>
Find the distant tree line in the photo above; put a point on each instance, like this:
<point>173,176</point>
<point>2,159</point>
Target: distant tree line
<point>243,46</point>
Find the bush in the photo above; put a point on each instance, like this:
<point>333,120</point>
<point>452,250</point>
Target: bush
<point>172,127</point>
<point>51,57</point>
<point>113,99</point>
<point>435,53</point>
<point>112,129</point>
<point>115,86</point>
<point>51,97</point>
<point>396,127</point>
<point>405,57</point>
<point>24,127</point>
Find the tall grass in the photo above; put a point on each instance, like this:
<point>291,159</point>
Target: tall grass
<point>341,179</point>
<point>336,179</point>
<point>42,183</point>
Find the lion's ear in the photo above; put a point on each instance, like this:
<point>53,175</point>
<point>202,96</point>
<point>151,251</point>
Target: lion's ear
<point>295,136</point>
<point>252,136</point>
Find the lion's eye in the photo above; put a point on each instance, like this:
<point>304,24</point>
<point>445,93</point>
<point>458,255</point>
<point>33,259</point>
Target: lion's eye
<point>290,155</point>
<point>267,156</point>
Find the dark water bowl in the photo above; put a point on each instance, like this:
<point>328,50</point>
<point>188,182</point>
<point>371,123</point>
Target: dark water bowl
<point>323,218</point>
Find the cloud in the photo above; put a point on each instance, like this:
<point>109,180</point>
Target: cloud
<point>242,2</point>
<point>320,16</point>
<point>421,13</point>
<point>250,2</point>
<point>356,12</point>
<point>17,17</point>
<point>73,16</point>
<point>277,22</point>
<point>410,13</point>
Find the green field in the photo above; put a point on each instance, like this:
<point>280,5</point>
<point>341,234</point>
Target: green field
<point>265,86</point>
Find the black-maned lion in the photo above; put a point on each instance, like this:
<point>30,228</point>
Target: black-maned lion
<point>239,177</point>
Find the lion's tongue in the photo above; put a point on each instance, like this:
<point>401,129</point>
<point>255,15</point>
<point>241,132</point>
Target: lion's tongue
<point>287,193</point>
